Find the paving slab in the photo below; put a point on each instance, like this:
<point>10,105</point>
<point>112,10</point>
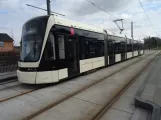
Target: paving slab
<point>67,111</point>
<point>131,92</point>
<point>157,97</point>
<point>40,99</point>
<point>146,97</point>
<point>11,91</point>
<point>149,90</point>
<point>24,106</point>
<point>66,88</point>
<point>2,87</point>
<point>83,80</point>
<point>141,114</point>
<point>126,104</point>
<point>7,93</point>
<point>140,80</point>
<point>114,114</point>
<point>159,80</point>
<point>15,114</point>
<point>23,88</point>
<point>99,94</point>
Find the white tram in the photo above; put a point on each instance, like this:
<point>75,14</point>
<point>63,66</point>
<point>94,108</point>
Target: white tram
<point>53,49</point>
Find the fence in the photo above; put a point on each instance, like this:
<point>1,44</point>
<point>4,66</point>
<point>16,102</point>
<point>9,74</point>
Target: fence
<point>6,53</point>
<point>8,68</point>
<point>8,61</point>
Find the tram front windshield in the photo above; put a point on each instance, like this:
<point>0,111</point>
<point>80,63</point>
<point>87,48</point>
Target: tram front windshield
<point>32,39</point>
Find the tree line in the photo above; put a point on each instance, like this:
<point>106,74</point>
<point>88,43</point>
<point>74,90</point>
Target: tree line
<point>152,42</point>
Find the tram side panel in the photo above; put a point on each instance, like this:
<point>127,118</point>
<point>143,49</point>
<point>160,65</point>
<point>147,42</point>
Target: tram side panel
<point>117,51</point>
<point>53,65</point>
<point>111,52</point>
<point>129,49</point>
<point>116,47</point>
<point>120,52</point>
<point>142,48</point>
<point>135,48</point>
<point>91,54</point>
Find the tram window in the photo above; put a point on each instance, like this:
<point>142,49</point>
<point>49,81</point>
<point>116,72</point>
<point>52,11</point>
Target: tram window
<point>50,48</point>
<point>82,48</point>
<point>129,45</point>
<point>117,48</point>
<point>61,47</point>
<point>100,48</point>
<point>110,48</point>
<point>135,46</point>
<point>91,47</point>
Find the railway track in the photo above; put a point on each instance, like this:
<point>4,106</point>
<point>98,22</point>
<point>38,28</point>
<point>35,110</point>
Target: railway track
<point>7,77</point>
<point>8,81</point>
<point>85,88</point>
<point>14,89</point>
<point>108,105</point>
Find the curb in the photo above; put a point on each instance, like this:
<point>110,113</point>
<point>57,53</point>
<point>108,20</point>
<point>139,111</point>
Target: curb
<point>150,106</point>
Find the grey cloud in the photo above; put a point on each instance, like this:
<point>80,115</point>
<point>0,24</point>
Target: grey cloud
<point>85,8</point>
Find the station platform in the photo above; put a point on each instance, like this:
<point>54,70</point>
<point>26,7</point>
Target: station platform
<point>83,97</point>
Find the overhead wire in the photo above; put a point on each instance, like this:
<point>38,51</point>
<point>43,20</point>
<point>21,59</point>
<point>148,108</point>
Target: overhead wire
<point>106,12</point>
<point>147,17</point>
<point>44,9</point>
<point>124,20</point>
<point>103,9</point>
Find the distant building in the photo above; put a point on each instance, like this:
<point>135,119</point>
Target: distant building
<point>17,49</point>
<point>6,43</point>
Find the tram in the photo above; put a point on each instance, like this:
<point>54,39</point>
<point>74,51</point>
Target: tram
<point>53,49</point>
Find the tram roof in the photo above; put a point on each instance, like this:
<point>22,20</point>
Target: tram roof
<point>78,25</point>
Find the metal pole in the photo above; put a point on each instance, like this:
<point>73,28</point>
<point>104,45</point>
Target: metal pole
<point>48,7</point>
<point>132,30</point>
<point>150,42</point>
<point>132,38</point>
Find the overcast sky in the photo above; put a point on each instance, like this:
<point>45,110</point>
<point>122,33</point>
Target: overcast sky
<point>14,13</point>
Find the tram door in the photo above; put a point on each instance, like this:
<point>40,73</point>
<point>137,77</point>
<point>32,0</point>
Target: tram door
<point>139,48</point>
<point>123,51</point>
<point>111,52</point>
<point>72,55</point>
